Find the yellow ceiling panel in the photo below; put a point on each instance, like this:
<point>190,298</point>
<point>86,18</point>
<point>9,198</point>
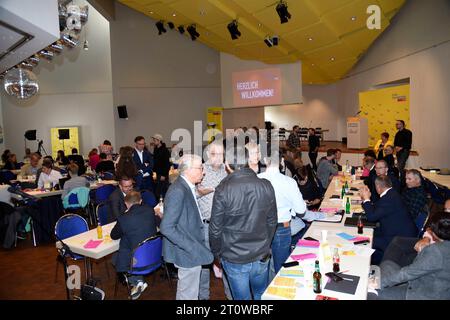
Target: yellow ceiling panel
<point>321,7</point>
<point>202,12</point>
<point>327,22</point>
<point>390,5</point>
<point>362,39</point>
<point>302,16</point>
<point>341,21</point>
<point>318,32</point>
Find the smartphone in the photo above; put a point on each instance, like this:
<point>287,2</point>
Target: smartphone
<point>310,239</point>
<point>290,264</point>
<point>361,242</point>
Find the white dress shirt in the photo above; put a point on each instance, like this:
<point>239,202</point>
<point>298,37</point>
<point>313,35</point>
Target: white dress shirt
<point>289,199</point>
<point>53,177</point>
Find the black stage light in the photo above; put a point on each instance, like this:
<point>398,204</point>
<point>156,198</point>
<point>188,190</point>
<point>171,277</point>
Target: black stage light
<point>160,26</point>
<point>181,29</point>
<point>193,32</point>
<point>171,25</point>
<point>282,10</point>
<point>233,29</point>
<point>275,40</point>
<point>268,41</point>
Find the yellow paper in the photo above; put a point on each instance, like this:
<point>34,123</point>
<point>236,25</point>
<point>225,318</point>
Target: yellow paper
<point>284,282</point>
<point>349,253</point>
<point>288,293</point>
<point>291,273</point>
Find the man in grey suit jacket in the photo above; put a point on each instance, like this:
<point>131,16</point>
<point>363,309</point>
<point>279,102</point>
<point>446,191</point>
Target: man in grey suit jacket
<point>428,276</point>
<point>182,226</point>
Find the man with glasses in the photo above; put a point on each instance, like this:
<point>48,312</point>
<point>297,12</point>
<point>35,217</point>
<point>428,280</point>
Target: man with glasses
<point>214,170</point>
<point>183,228</point>
<point>116,200</point>
<point>144,164</point>
<point>382,169</point>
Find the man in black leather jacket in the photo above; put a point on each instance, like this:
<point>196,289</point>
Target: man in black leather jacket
<point>243,222</point>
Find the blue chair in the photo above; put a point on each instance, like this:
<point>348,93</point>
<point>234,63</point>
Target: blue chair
<point>76,201</point>
<point>102,213</point>
<point>420,222</point>
<point>68,226</point>
<point>102,193</point>
<point>146,259</point>
<point>6,176</point>
<point>149,198</point>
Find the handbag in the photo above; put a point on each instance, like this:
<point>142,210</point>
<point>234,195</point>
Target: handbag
<point>88,292</point>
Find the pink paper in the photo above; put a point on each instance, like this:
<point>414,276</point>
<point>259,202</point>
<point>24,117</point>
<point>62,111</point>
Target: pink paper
<point>92,244</point>
<point>360,239</point>
<point>300,257</point>
<point>308,243</point>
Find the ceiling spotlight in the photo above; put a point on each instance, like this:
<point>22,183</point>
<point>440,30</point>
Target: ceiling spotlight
<point>69,39</point>
<point>332,58</point>
<point>233,29</point>
<point>275,40</point>
<point>47,54</point>
<point>268,41</point>
<point>310,39</point>
<point>56,47</point>
<point>171,25</point>
<point>160,26</point>
<point>353,18</point>
<point>193,32</point>
<point>181,29</point>
<point>282,10</point>
<point>86,45</point>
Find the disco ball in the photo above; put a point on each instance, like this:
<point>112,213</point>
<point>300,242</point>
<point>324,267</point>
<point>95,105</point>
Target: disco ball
<point>21,83</point>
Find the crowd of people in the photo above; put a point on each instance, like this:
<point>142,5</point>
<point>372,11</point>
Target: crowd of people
<point>240,215</point>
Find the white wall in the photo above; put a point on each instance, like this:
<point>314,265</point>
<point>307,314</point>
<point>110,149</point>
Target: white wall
<point>166,81</point>
<point>319,110</point>
<point>75,90</point>
<point>415,46</point>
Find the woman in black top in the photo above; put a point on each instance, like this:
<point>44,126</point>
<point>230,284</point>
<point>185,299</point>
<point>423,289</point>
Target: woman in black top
<point>308,187</point>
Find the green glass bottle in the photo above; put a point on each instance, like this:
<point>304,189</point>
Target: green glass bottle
<point>347,206</point>
<point>317,279</point>
<point>346,186</point>
<point>342,192</point>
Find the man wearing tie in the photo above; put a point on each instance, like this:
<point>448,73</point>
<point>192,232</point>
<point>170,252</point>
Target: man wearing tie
<point>144,164</point>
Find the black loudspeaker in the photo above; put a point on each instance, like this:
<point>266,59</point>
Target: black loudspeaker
<point>268,125</point>
<point>30,135</point>
<point>344,140</point>
<point>123,114</point>
<point>63,134</point>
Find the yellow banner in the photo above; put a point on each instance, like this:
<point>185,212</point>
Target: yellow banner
<point>64,144</point>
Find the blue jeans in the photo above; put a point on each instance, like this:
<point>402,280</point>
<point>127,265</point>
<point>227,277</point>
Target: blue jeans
<point>281,246</point>
<point>248,278</point>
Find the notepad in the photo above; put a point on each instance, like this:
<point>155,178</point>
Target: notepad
<point>288,293</point>
<point>92,244</point>
<point>328,210</point>
<point>291,273</point>
<point>308,243</point>
<point>284,282</point>
<point>305,256</point>
<point>360,238</point>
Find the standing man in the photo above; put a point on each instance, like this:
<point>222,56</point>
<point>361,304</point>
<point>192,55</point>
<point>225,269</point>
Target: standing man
<point>314,144</point>
<point>161,156</point>
<point>214,170</point>
<point>243,222</point>
<point>144,164</point>
<point>402,143</point>
<point>182,226</point>
<point>293,141</point>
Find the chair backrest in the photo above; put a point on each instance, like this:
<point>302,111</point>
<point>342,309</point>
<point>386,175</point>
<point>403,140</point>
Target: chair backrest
<point>437,194</point>
<point>102,193</point>
<point>6,176</point>
<point>147,257</point>
<point>76,198</point>
<point>422,219</point>
<point>70,225</point>
<point>149,198</point>
<point>102,213</point>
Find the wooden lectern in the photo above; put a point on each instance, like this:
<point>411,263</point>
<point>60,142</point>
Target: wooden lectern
<point>357,133</point>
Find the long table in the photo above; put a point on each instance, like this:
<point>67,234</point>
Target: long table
<point>354,259</point>
<point>443,180</point>
<point>42,193</point>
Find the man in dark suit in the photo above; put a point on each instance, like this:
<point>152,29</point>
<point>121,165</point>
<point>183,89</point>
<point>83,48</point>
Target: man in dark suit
<point>144,164</point>
<point>133,227</point>
<point>402,143</point>
<point>78,160</point>
<point>184,242</point>
<point>382,169</point>
<point>390,212</point>
<point>116,200</point>
<point>314,144</point>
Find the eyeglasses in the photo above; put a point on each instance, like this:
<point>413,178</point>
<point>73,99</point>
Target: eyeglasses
<point>378,168</point>
<point>201,168</point>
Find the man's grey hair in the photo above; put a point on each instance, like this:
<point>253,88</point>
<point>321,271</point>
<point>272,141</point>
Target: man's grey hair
<point>415,173</point>
<point>383,182</point>
<point>187,161</point>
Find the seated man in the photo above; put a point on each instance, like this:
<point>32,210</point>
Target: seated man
<point>382,169</point>
<point>428,276</point>
<point>134,226</point>
<point>326,169</point>
<point>78,160</point>
<point>104,165</point>
<point>116,202</point>
<point>75,181</point>
<point>308,187</point>
<point>31,169</point>
<point>390,212</point>
<point>48,175</point>
<point>414,195</point>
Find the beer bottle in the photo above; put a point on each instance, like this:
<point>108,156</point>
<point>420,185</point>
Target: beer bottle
<point>342,192</point>
<point>336,260</point>
<point>99,230</point>
<point>317,278</point>
<point>346,187</point>
<point>347,206</point>
<point>360,225</point>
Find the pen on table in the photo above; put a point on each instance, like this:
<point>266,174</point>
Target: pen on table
<point>348,279</point>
